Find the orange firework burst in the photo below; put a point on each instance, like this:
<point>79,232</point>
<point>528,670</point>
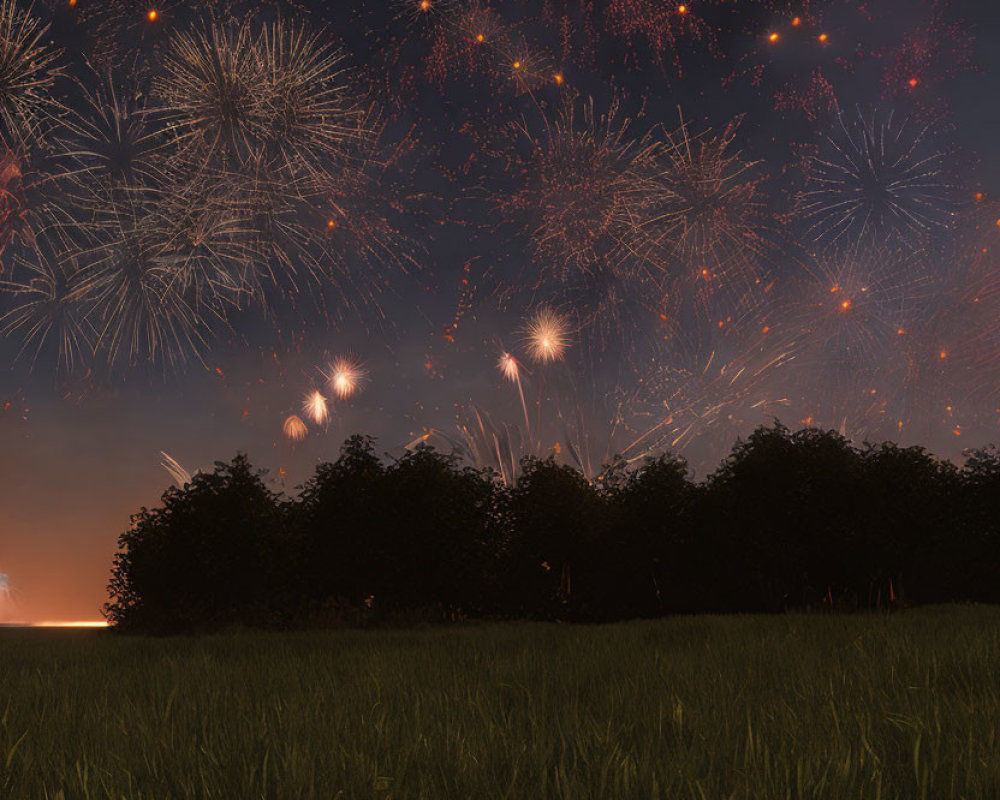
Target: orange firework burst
<point>315,407</point>
<point>525,68</point>
<point>479,24</point>
<point>415,12</point>
<point>346,377</point>
<point>583,190</point>
<point>588,203</point>
<point>710,201</point>
<point>295,429</point>
<point>547,336</point>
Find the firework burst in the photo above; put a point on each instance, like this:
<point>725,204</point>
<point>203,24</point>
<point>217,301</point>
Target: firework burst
<point>426,12</point>
<point>140,312</point>
<point>524,68</point>
<point>308,112</point>
<point>315,407</point>
<point>704,396</point>
<point>586,199</point>
<point>212,90</point>
<point>275,102</point>
<point>879,181</point>
<point>294,429</point>
<point>546,336</point>
<point>205,246</point>
<point>48,308</point>
<point>29,68</point>
<point>346,377</point>
<point>480,26</point>
<point>709,215</point>
<point>585,192</point>
<point>853,318</point>
<point>111,138</point>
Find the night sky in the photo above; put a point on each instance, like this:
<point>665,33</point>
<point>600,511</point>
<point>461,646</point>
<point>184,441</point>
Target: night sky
<point>728,211</point>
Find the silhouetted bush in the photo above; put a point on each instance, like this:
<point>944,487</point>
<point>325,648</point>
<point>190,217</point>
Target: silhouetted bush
<point>648,553</point>
<point>779,516</point>
<point>788,521</point>
<point>335,555</point>
<point>556,518</point>
<point>212,556</point>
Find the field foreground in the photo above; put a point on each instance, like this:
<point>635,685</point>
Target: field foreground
<point>906,706</point>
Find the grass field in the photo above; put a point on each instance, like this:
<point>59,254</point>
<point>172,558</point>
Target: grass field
<point>838,707</point>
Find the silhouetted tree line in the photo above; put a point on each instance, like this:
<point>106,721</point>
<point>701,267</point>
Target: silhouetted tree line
<point>790,520</point>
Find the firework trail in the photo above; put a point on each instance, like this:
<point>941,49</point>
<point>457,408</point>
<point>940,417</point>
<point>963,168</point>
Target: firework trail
<point>180,476</point>
<point>511,370</point>
<point>704,393</point>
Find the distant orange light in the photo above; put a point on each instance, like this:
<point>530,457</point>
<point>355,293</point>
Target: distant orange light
<point>72,3</point>
<point>517,65</point>
<point>900,332</point>
<point>152,15</point>
<point>796,22</point>
<point>558,79</point>
<point>331,224</point>
<point>998,223</point>
<point>846,305</point>
<point>682,9</point>
<point>913,83</point>
<point>943,354</point>
<point>60,624</point>
<point>766,329</point>
<point>773,37</point>
<point>823,38</point>
<point>979,196</point>
<point>480,37</point>
<point>425,5</point>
